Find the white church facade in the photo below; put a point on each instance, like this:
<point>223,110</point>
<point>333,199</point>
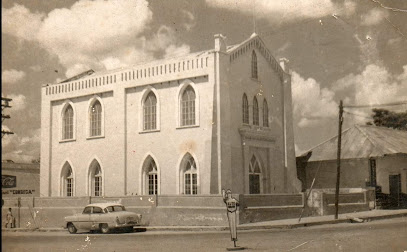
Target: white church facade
<point>192,125</point>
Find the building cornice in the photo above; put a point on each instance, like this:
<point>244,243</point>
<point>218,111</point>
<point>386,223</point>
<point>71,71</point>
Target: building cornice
<point>256,133</point>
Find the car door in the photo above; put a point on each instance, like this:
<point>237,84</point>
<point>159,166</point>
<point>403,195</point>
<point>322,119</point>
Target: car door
<point>96,217</point>
<point>84,219</point>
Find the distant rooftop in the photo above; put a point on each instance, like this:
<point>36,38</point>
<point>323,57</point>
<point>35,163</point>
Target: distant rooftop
<point>362,141</point>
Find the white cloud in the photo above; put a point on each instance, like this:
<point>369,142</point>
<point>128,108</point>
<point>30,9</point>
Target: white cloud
<point>190,20</point>
<point>91,31</point>
<point>97,34</point>
<point>21,148</point>
<point>174,51</point>
<point>310,102</point>
<point>6,140</point>
<point>18,102</point>
<point>373,17</point>
<point>376,85</point>
<point>12,76</point>
<point>20,22</point>
<point>36,68</point>
<point>282,10</point>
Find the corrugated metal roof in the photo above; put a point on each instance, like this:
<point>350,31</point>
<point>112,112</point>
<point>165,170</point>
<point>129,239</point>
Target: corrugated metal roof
<point>362,141</point>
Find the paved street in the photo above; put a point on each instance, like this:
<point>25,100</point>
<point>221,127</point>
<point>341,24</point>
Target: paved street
<point>383,235</point>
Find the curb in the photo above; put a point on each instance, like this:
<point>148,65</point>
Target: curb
<point>226,228</point>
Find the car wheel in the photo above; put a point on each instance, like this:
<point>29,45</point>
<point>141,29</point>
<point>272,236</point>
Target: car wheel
<point>104,228</point>
<point>71,228</point>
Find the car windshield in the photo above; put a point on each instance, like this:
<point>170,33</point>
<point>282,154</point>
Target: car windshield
<point>115,208</point>
<point>87,210</point>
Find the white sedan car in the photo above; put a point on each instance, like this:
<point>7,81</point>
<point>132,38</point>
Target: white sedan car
<point>103,217</point>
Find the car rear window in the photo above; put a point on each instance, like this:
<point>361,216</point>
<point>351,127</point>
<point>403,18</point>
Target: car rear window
<point>118,208</point>
<point>115,208</point>
<point>97,210</point>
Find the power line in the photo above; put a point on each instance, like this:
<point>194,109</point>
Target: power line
<point>349,113</point>
<point>376,105</point>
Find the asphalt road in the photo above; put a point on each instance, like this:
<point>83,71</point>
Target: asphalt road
<point>384,235</point>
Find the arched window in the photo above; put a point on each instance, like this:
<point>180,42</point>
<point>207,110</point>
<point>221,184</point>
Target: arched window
<point>151,176</point>
<point>265,114</point>
<point>150,112</point>
<point>189,175</point>
<point>254,176</point>
<point>67,183</point>
<point>255,111</point>
<point>254,65</point>
<point>67,127</point>
<point>96,178</point>
<point>96,119</point>
<point>245,109</point>
<point>188,107</point>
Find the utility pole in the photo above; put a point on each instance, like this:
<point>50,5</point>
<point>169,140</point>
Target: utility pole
<point>5,104</point>
<point>338,160</point>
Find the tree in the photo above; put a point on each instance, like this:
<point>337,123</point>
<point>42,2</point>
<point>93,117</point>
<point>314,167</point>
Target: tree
<point>390,119</point>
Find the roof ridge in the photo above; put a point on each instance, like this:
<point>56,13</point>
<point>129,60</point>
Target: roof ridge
<point>329,139</point>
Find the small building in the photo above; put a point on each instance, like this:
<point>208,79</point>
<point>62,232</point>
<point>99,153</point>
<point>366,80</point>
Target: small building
<point>371,156</point>
<point>20,179</point>
<point>220,118</point>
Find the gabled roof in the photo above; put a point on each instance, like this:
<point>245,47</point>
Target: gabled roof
<point>362,141</point>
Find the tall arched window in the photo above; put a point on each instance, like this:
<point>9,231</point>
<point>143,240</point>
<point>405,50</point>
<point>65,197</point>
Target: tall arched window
<point>67,127</point>
<point>254,65</point>
<point>96,179</point>
<point>255,111</point>
<point>188,107</point>
<point>150,112</point>
<point>245,109</point>
<point>96,119</point>
<point>189,175</point>
<point>265,114</point>
<point>254,176</point>
<point>67,183</point>
<point>152,176</point>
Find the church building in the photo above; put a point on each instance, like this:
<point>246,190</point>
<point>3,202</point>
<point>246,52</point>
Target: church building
<point>192,125</point>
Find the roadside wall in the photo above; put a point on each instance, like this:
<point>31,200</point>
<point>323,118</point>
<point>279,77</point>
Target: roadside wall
<point>322,201</point>
<point>255,208</point>
<point>182,210</point>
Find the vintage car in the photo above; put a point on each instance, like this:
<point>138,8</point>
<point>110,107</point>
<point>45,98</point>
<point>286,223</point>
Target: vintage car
<point>103,217</point>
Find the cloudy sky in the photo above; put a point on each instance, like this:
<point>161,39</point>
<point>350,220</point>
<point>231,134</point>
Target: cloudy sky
<point>350,50</point>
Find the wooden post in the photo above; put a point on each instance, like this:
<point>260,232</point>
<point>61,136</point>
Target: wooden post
<point>338,160</point>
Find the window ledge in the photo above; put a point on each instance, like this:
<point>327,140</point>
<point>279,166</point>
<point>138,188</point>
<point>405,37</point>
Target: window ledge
<point>187,126</point>
<point>67,140</point>
<point>94,137</point>
<point>149,131</point>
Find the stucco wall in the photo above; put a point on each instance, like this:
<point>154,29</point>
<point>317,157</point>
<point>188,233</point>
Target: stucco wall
<point>123,146</point>
<point>391,165</point>
<point>26,183</point>
<point>353,173</point>
<point>356,172</point>
<point>270,151</point>
<point>170,143</point>
<point>215,142</point>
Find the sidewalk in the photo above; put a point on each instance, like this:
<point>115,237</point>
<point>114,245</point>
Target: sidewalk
<point>276,224</point>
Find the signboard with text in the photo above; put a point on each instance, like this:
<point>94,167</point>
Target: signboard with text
<point>8,181</point>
